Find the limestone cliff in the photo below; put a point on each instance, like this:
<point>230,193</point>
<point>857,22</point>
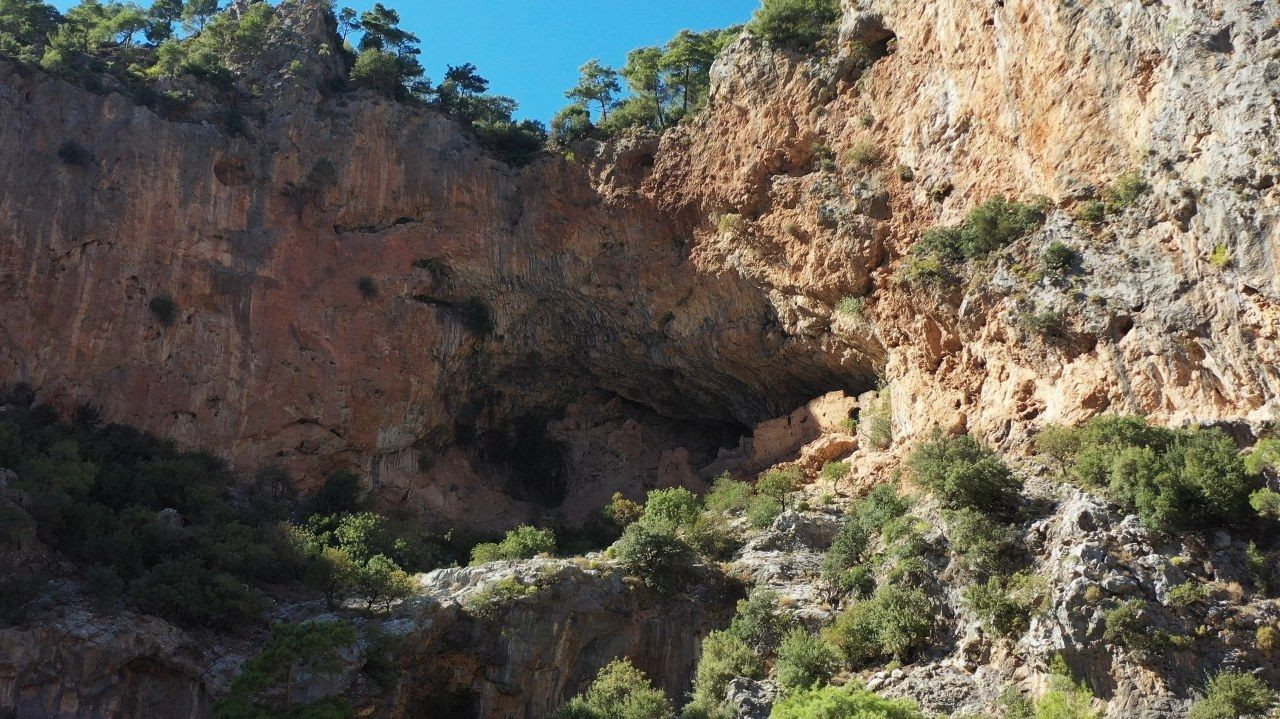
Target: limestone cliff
<point>502,299</point>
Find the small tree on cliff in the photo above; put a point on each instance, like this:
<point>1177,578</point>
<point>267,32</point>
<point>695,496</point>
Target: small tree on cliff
<point>265,685</point>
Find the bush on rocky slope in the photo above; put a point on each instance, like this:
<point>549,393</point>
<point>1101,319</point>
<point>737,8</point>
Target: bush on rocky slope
<point>995,224</point>
<point>847,702</point>
<point>620,691</point>
<point>1232,695</point>
<point>964,474</point>
<point>1174,479</point>
<point>797,24</point>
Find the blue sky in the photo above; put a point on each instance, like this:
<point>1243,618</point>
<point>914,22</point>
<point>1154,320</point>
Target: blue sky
<point>531,49</point>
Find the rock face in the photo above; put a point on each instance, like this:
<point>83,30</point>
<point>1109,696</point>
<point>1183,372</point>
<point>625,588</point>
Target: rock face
<point>81,665</point>
<point>682,287</point>
<point>537,652</point>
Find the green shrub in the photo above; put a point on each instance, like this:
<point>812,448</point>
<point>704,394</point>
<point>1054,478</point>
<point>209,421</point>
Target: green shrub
<point>164,308</point>
<point>1125,190</point>
<point>1266,502</point>
<point>801,24</point>
<point>379,70</point>
<point>833,472</point>
<point>523,542</point>
<point>982,545</point>
<point>865,154</point>
<point>1175,479</point>
<point>1006,605</point>
<point>1264,457</point>
<point>1066,700</point>
<point>778,483</point>
<point>368,288</point>
<point>1221,256</point>
<point>763,511</point>
<point>677,507</point>
<point>759,621</point>
<point>1128,624</point>
<point>1188,594</point>
<point>1058,257</point>
<point>963,473</point>
<point>875,422</point>
<point>842,566</point>
<point>620,691</point>
<point>711,535</point>
<point>895,623</point>
<point>1045,323</point>
<point>725,656</point>
<point>995,224</point>
<point>846,702</point>
<point>492,601</point>
<point>805,660</point>
<point>730,223</point>
<point>1232,695</point>
<point>850,307</point>
<point>622,511</point>
<point>1093,212</point>
<point>728,495</point>
<point>189,593</point>
<point>656,555</point>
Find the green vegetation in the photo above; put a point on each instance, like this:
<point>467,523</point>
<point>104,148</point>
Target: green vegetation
<point>1058,258</point>
<point>1005,605</point>
<point>833,472</point>
<point>622,511</point>
<point>739,651</point>
<point>850,307</point>
<point>368,288</point>
<point>993,225</point>
<point>523,542</point>
<point>137,47</point>
<point>620,691</point>
<point>844,566</point>
<point>964,474</point>
<point>1264,458</point>
<point>725,657</point>
<point>847,702</point>
<point>1125,190</point>
<point>1231,695</point>
<point>154,521</point>
<point>1092,212</point>
<point>982,545</point>
<point>1174,479</point>
<point>804,25</point>
<point>1220,257</point>
<point>875,422</point>
<point>1129,624</point>
<point>805,660</point>
<point>657,555</point>
<point>492,601</point>
<point>728,495</point>
<point>663,84</point>
<point>865,154</point>
<point>1266,502</point>
<point>264,686</point>
<point>893,624</point>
